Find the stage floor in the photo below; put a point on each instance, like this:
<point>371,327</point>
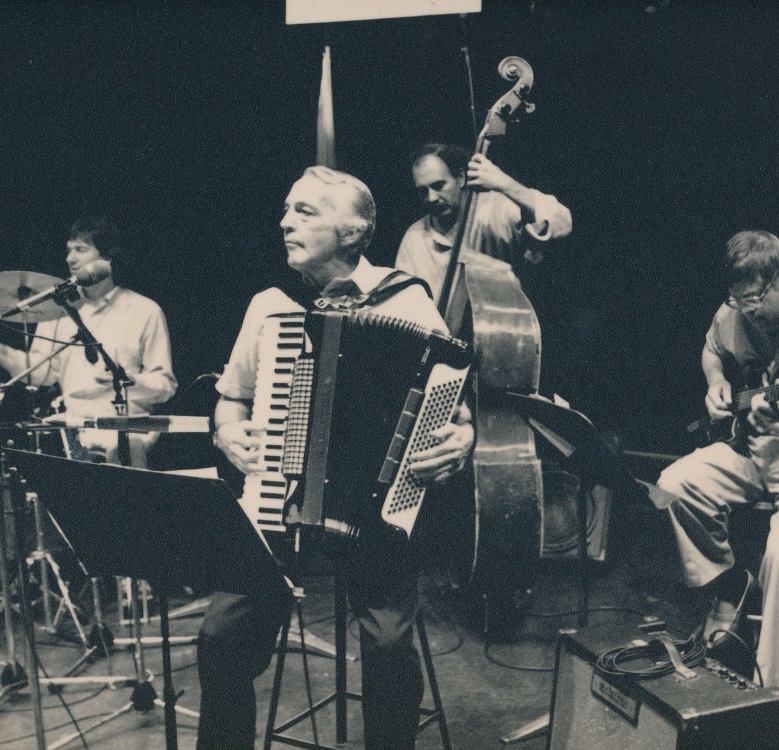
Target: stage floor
<point>490,686</point>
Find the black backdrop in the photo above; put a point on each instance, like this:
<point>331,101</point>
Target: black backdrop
<point>188,122</point>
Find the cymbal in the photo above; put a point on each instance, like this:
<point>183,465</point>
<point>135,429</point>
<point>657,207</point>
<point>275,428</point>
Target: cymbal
<point>17,286</point>
<point>134,392</point>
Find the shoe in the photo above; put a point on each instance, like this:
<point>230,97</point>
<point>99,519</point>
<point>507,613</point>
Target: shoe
<point>725,616</point>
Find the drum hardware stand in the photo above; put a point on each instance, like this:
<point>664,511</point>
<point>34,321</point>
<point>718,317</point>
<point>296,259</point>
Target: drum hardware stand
<point>99,639</point>
<point>13,675</point>
<point>15,494</point>
<point>46,560</point>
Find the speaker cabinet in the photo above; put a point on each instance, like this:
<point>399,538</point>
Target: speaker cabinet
<point>559,536</point>
<point>715,710</point>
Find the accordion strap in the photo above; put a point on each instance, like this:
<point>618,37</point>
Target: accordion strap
<point>389,286</point>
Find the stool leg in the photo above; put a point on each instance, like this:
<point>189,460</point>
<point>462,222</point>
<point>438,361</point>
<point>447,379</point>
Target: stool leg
<point>340,662</point>
<point>274,699</point>
<point>306,673</point>
<point>439,706</point>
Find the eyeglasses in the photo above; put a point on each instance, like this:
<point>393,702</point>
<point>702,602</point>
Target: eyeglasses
<point>751,300</point>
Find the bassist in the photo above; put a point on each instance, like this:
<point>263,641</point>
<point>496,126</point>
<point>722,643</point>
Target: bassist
<point>510,210</point>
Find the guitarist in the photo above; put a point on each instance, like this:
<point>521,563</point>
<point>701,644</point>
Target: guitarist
<point>744,333</point>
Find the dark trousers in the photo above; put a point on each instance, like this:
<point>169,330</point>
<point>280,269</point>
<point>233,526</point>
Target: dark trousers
<point>238,636</point>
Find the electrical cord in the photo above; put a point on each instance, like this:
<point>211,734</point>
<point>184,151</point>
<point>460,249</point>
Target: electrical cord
<point>26,709</point>
<point>615,661</point>
<point>570,613</point>
<point>515,667</point>
<point>537,669</point>
<point>13,740</point>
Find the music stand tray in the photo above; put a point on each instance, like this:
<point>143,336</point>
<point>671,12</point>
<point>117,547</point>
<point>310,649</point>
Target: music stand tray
<point>169,529</point>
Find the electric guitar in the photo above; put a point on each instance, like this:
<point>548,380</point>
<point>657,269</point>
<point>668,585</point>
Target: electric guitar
<point>734,429</point>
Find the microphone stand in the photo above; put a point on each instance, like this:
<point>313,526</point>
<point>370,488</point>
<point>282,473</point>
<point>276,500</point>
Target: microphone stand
<point>144,694</point>
<point>121,381</point>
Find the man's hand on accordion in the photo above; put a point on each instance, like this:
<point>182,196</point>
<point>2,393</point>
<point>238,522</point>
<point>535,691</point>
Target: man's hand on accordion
<point>448,457</point>
<point>240,442</point>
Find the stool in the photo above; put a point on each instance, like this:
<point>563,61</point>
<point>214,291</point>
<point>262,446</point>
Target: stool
<point>341,694</point>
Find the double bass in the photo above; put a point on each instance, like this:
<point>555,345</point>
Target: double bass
<point>482,301</point>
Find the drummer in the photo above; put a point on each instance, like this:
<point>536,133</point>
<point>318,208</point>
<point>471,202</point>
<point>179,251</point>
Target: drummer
<point>130,327</point>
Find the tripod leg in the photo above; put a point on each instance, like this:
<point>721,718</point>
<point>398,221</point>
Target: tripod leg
<point>439,706</point>
<point>168,693</point>
<point>144,694</point>
<point>65,601</point>
<point>17,505</point>
<point>306,673</point>
<point>100,637</point>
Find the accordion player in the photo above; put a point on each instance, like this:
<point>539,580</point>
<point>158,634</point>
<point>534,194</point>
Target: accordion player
<point>365,394</point>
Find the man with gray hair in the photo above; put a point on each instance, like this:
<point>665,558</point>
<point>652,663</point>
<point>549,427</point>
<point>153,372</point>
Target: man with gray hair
<point>328,221</point>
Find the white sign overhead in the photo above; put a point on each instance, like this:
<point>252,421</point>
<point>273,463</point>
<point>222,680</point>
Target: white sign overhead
<point>326,11</point>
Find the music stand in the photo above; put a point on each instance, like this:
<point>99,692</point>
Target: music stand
<point>169,529</point>
<point>590,457</point>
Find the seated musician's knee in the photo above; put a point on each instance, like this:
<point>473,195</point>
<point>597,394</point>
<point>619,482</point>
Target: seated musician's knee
<point>675,478</point>
<point>233,627</point>
<point>770,563</point>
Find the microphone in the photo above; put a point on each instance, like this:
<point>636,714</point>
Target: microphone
<point>90,274</point>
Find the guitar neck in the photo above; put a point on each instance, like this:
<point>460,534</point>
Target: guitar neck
<point>744,398</point>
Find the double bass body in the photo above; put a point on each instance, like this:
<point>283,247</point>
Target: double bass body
<point>506,491</point>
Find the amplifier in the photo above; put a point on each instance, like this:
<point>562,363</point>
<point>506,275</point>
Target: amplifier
<point>716,709</point>
<point>560,524</point>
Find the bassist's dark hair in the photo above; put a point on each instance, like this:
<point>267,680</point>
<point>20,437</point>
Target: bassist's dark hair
<point>455,157</point>
<point>751,254</point>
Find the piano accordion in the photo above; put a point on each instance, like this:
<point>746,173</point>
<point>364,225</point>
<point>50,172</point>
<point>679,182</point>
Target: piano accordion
<point>365,392</point>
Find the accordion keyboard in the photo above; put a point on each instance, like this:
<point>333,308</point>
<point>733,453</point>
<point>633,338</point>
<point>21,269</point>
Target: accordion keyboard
<point>264,492</point>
